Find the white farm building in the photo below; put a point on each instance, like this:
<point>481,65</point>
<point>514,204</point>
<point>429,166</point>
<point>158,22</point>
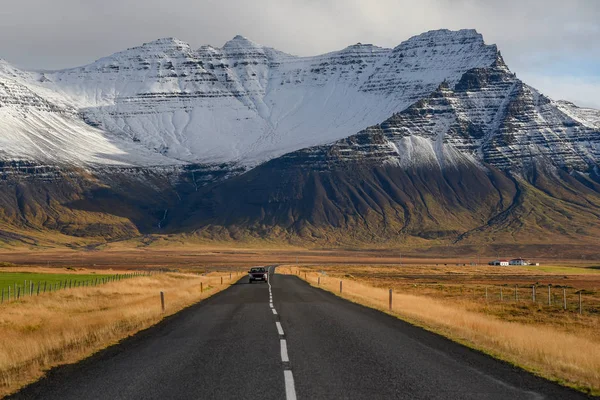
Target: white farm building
<point>518,261</point>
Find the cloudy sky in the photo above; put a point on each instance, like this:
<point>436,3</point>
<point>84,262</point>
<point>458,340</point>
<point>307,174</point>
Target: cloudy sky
<point>553,45</point>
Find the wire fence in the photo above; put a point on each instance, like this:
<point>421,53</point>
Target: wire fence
<point>29,288</point>
<point>541,297</point>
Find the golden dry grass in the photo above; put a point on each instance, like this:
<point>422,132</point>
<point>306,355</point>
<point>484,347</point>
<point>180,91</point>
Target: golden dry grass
<point>572,358</point>
<point>65,326</point>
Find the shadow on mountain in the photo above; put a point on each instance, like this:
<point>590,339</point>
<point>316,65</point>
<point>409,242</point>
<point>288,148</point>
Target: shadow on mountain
<point>281,200</point>
<point>362,202</point>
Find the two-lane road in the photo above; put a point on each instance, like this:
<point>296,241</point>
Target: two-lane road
<point>259,341</point>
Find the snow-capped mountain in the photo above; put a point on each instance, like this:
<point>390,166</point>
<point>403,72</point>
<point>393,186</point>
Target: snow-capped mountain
<point>433,139</point>
<point>488,117</point>
<point>241,103</point>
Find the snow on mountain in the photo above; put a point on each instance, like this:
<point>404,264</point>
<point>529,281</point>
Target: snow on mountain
<point>488,116</point>
<point>165,103</point>
<point>586,116</point>
<point>244,102</point>
<point>34,128</point>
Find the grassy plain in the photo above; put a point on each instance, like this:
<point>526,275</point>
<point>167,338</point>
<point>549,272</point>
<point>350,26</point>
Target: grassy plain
<point>540,336</point>
<point>127,255</point>
<point>440,291</point>
<point>43,331</point>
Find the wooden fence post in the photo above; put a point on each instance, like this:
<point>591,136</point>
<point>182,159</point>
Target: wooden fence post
<point>162,301</point>
<point>45,286</point>
<point>516,294</point>
<point>340,286</point>
<point>390,299</point>
<point>38,291</point>
<point>533,293</point>
<point>501,298</point>
<point>221,280</point>
<point>201,287</point>
<point>549,298</point>
<point>19,293</point>
<point>564,299</point>
<point>9,293</point>
<point>2,301</point>
<point>319,281</point>
<point>580,302</point>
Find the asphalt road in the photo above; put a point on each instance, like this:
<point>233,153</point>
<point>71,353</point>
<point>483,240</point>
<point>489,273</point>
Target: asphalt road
<point>306,344</point>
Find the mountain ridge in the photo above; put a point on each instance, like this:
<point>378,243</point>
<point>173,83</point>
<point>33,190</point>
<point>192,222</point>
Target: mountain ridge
<point>435,140</point>
<point>171,99</point>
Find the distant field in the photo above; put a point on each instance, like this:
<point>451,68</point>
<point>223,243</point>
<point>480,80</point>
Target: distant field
<point>189,256</point>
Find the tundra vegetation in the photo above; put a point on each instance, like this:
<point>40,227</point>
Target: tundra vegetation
<point>67,325</point>
<point>541,335</point>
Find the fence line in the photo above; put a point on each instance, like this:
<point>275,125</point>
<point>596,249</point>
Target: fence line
<point>31,288</point>
<point>558,297</point>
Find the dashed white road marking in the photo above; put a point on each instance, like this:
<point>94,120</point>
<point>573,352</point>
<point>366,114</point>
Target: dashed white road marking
<point>279,328</point>
<point>284,353</point>
<point>290,390</point>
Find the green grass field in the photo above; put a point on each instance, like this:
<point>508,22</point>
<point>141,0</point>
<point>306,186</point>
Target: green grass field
<point>9,279</point>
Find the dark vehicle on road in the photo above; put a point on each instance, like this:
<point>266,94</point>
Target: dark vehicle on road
<point>258,274</point>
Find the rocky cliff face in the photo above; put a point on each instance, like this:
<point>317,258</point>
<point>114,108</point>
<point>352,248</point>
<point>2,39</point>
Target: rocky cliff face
<point>488,117</point>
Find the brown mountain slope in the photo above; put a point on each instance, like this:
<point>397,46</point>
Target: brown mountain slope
<point>356,204</point>
<point>389,204</point>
